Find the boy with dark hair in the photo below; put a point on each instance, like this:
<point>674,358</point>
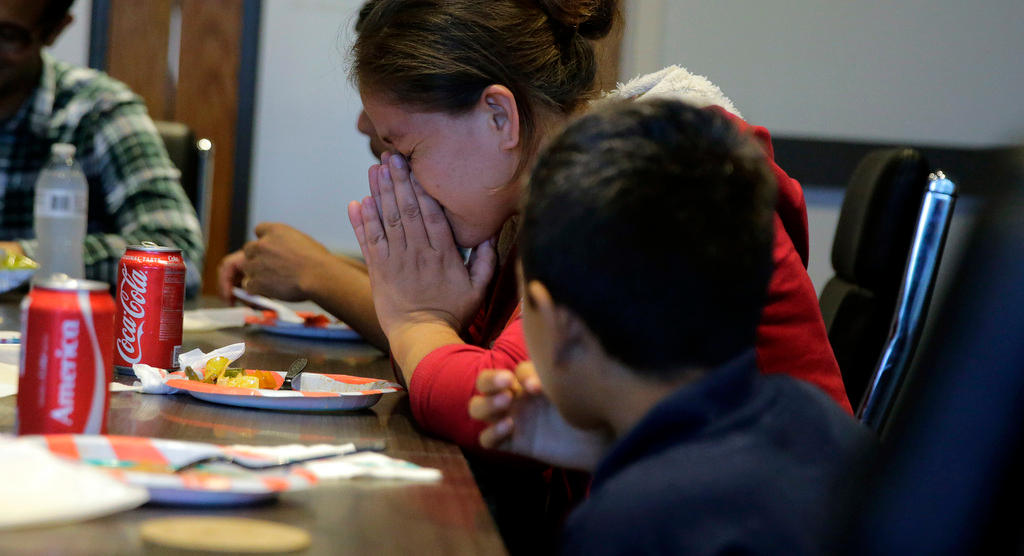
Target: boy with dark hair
<point>651,351</point>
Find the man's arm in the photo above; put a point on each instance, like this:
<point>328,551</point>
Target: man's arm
<point>284,263</point>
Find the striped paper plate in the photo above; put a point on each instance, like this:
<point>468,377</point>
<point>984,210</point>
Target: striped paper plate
<point>316,326</point>
<point>136,460</point>
<point>313,392</point>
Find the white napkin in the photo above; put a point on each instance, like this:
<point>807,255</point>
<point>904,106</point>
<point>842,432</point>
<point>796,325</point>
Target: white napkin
<point>361,464</point>
<point>371,464</point>
<point>9,354</point>
<point>199,320</point>
<point>153,380</point>
<point>49,490</point>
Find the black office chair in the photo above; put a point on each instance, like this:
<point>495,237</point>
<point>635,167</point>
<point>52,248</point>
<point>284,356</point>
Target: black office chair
<point>949,480</point>
<point>194,158</point>
<point>891,232</point>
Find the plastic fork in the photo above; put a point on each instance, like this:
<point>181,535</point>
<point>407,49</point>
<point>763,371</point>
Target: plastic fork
<point>284,313</point>
<point>362,446</point>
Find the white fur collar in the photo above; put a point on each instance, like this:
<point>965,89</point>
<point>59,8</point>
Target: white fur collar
<point>677,83</point>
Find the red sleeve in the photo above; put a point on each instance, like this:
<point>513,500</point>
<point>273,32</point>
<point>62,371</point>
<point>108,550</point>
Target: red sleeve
<point>445,380</point>
<point>791,337</point>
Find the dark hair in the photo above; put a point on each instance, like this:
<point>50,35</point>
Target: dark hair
<point>441,54</point>
<point>362,14</point>
<point>53,13</point>
<point>653,222</point>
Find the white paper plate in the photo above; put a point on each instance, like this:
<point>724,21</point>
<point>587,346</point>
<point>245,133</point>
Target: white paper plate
<point>336,331</point>
<point>314,392</point>
<point>41,489</point>
<point>235,485</point>
<point>328,328</point>
<point>13,278</point>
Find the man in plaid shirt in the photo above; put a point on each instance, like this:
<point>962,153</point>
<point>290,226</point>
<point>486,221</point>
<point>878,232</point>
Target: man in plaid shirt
<point>134,190</point>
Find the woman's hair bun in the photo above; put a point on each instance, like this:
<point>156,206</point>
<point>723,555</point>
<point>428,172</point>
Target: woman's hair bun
<point>592,19</point>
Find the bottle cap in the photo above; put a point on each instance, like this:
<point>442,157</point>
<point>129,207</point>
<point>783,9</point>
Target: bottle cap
<point>63,149</point>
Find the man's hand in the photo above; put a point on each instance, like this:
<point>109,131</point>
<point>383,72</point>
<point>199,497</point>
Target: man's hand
<point>281,263</point>
<point>285,263</point>
<point>524,422</point>
<point>229,273</point>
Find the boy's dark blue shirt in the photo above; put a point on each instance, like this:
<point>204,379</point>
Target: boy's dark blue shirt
<point>736,462</point>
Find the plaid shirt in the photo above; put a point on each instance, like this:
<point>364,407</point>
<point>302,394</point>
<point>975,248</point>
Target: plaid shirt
<point>134,190</point>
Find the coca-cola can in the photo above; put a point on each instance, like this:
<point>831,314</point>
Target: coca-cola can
<point>150,307</point>
<point>67,332</point>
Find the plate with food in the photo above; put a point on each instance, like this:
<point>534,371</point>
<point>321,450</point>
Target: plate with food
<point>308,391</point>
<point>15,270</point>
<point>279,318</point>
<point>152,462</point>
<point>313,325</point>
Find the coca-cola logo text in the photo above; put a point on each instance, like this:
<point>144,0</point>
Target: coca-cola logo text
<point>67,369</point>
<point>132,296</point>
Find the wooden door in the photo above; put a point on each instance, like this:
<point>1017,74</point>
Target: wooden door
<point>183,57</point>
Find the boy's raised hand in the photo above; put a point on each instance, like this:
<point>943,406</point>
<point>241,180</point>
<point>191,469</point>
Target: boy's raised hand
<point>523,421</point>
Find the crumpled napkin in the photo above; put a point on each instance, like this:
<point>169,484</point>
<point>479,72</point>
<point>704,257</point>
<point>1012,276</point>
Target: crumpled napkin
<point>371,464</point>
<point>43,489</point>
<point>154,380</point>
<point>200,320</point>
<point>351,466</point>
<point>9,355</point>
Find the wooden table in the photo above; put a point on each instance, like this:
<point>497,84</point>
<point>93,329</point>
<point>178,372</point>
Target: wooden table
<point>353,517</point>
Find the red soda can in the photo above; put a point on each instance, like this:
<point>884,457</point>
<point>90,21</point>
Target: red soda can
<point>67,335</point>
<point>150,307</point>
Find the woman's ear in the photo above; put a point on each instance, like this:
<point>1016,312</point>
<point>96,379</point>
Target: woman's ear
<point>499,105</point>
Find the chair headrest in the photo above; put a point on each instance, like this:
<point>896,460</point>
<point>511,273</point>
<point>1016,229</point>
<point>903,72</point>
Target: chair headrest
<point>878,218</point>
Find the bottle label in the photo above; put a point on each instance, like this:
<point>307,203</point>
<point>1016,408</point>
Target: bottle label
<point>60,203</point>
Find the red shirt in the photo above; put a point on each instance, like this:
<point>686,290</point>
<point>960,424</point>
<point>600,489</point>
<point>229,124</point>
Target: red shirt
<point>791,336</point>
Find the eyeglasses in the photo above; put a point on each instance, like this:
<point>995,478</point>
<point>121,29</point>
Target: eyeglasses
<point>14,38</point>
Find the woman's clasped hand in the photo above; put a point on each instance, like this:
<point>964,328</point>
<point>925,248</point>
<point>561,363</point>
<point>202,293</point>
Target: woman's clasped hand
<point>417,274</point>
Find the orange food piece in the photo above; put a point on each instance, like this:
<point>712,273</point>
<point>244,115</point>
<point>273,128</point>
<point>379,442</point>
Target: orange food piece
<point>316,321</point>
<point>266,379</point>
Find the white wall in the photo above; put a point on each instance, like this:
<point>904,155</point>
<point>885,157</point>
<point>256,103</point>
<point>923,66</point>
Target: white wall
<point>930,72</point>
<point>924,71</point>
<point>73,45</point>
<point>308,158</point>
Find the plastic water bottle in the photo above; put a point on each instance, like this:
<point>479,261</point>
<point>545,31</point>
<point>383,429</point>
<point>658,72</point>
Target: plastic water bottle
<point>62,197</point>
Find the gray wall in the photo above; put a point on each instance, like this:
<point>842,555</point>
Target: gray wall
<point>936,71</point>
<point>73,44</point>
<point>933,72</point>
<point>308,159</point>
